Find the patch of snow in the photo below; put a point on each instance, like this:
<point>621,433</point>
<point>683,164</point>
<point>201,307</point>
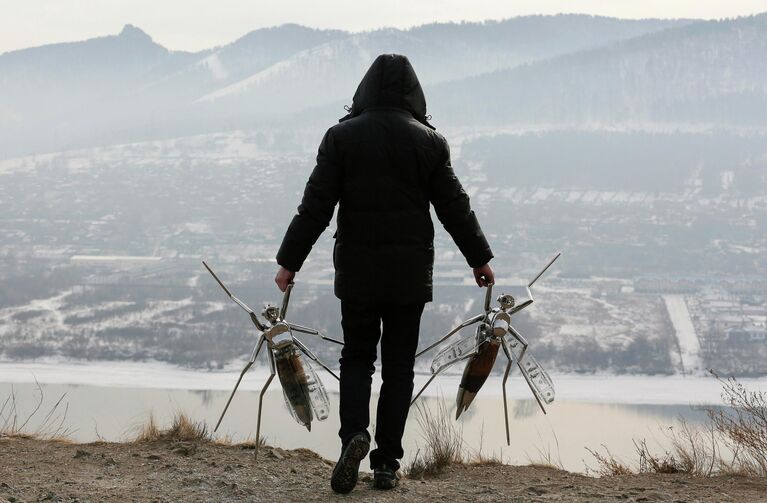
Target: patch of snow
<point>216,67</point>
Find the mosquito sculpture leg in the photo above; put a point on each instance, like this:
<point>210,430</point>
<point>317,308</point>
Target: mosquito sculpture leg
<point>237,301</point>
<point>465,324</point>
<point>252,360</point>
<point>273,369</point>
<point>424,387</point>
<point>312,357</point>
<point>435,374</point>
<point>311,331</point>
<point>509,364</point>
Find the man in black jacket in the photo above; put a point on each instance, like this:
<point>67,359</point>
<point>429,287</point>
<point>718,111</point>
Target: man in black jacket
<point>383,164</point>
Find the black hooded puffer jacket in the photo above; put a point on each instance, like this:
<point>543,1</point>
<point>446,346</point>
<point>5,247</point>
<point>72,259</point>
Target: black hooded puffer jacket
<point>384,163</point>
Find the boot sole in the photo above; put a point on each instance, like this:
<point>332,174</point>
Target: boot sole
<point>347,469</point>
<point>384,484</point>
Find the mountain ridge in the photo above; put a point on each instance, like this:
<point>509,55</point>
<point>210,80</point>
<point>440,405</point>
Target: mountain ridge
<point>126,87</point>
<point>666,59</point>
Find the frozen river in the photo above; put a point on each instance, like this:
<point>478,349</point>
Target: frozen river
<point>110,400</point>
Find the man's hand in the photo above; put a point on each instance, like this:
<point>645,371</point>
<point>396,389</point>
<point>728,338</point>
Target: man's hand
<point>483,275</point>
<point>284,278</point>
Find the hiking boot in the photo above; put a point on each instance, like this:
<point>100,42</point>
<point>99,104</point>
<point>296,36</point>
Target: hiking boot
<point>347,468</point>
<point>385,477</point>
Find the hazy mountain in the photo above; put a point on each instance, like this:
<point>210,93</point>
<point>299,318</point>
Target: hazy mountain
<point>54,79</point>
<point>439,52</point>
<point>50,92</point>
<point>707,72</point>
<point>126,87</point>
<point>230,63</point>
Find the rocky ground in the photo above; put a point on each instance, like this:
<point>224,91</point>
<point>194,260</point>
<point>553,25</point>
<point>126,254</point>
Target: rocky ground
<point>162,471</point>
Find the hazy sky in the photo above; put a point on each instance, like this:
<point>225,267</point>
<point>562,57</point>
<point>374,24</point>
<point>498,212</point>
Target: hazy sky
<point>197,24</point>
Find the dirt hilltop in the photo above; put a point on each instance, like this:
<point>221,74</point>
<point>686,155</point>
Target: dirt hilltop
<point>34,470</point>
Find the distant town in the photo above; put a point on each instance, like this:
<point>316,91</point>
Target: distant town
<point>102,248</point>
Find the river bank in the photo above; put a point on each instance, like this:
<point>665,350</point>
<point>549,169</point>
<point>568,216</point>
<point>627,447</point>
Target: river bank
<point>200,471</point>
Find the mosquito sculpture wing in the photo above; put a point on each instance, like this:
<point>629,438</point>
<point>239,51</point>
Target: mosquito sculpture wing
<point>311,384</point>
<point>459,350</point>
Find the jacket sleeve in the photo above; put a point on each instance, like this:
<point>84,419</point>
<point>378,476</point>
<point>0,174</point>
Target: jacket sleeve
<point>316,209</point>
<point>451,204</point>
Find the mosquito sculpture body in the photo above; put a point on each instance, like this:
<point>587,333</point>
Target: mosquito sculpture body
<point>302,389</point>
<point>481,349</point>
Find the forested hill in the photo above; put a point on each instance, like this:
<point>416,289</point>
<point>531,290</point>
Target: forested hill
<point>709,72</point>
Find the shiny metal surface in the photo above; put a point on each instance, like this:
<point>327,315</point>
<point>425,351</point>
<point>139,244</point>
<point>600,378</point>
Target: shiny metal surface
<point>465,324</point>
<point>304,393</point>
<point>494,332</point>
<point>291,369</point>
<point>237,301</point>
<point>545,268</point>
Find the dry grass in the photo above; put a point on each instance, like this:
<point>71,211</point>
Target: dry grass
<point>15,424</point>
<point>479,458</point>
<point>694,451</point>
<point>740,427</point>
<point>444,446</point>
<point>443,442</point>
<point>652,463</point>
<point>546,458</point>
<point>607,464</point>
<point>249,443</point>
<point>182,429</point>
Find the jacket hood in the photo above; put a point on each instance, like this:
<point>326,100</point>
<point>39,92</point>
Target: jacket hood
<point>390,82</point>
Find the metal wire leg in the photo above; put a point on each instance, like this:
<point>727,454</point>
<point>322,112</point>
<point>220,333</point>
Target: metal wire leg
<point>261,401</point>
<point>312,357</point>
<point>436,374</point>
<point>237,301</point>
<point>505,407</point>
<point>422,389</point>
<point>311,331</point>
<point>242,374</point>
<point>465,324</point>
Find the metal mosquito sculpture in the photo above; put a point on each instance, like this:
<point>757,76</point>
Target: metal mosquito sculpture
<point>302,389</point>
<point>481,349</point>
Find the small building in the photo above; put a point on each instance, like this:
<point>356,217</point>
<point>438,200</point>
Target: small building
<point>750,334</point>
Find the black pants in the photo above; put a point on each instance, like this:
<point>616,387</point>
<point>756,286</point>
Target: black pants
<point>361,324</point>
